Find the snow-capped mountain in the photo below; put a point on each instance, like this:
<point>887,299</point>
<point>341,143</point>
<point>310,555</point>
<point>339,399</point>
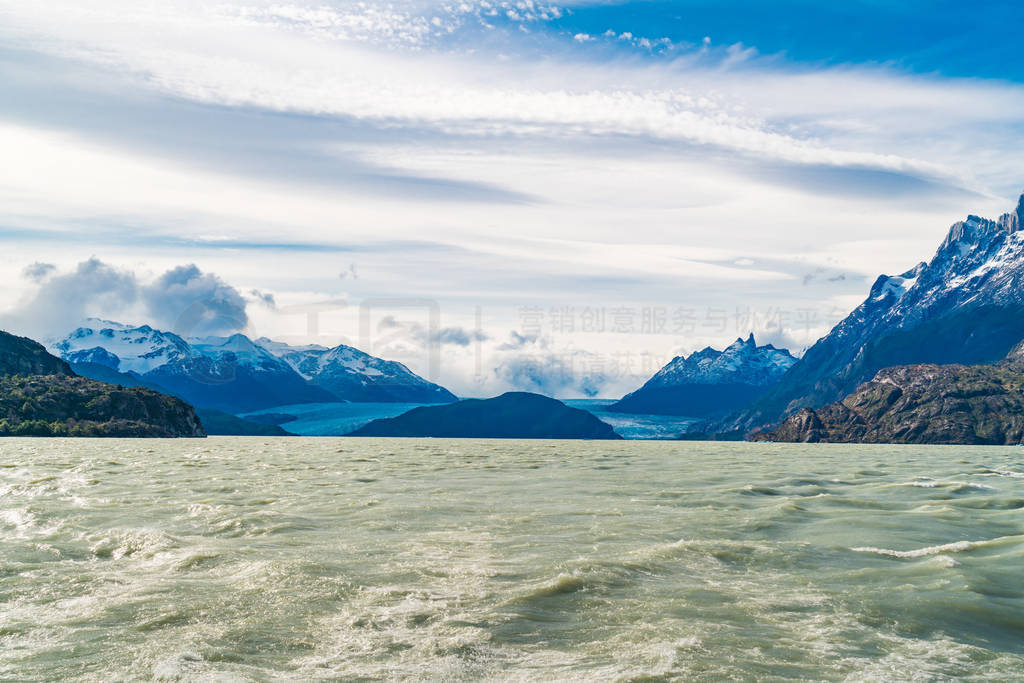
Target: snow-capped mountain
<point>742,362</point>
<point>356,376</point>
<point>122,347</point>
<point>966,305</point>
<point>710,381</point>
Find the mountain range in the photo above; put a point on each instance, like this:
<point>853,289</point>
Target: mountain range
<point>965,305</point>
<point>709,381</point>
<point>235,374</point>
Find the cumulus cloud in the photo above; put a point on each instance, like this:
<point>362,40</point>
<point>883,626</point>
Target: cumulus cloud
<point>183,299</point>
<point>93,288</point>
<point>191,302</point>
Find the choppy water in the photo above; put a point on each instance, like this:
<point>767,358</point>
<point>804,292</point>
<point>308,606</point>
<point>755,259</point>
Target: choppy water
<point>249,558</point>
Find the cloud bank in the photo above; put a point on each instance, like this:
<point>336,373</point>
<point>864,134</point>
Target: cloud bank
<point>184,300</point>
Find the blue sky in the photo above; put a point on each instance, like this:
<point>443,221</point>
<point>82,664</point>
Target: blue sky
<point>689,162</point>
<point>950,38</point>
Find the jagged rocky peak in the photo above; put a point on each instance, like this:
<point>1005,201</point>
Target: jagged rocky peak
<point>742,362</point>
<point>96,354</point>
<point>748,342</point>
<point>976,231</point>
<point>1013,221</point>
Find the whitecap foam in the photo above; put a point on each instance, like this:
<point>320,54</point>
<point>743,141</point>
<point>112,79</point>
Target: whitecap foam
<point>19,519</point>
<point>954,547</point>
<point>144,543</point>
<point>954,485</point>
<point>959,486</point>
<point>957,547</point>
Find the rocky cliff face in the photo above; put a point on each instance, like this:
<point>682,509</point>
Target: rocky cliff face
<point>966,305</point>
<point>710,381</point>
<point>925,404</point>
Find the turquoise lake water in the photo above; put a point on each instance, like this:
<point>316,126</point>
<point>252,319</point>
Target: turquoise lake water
<point>337,419</point>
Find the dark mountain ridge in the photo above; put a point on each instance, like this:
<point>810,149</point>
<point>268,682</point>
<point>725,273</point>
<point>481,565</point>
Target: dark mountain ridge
<point>23,356</point>
<point>513,415</point>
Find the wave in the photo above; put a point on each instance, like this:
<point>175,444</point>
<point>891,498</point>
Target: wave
<point>563,584</point>
<point>752,490</point>
<point>955,547</point>
<point>953,486</point>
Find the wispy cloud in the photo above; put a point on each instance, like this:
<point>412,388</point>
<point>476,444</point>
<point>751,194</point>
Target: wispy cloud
<point>188,56</point>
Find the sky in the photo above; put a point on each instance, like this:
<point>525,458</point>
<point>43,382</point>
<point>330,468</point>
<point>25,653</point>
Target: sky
<point>557,197</point>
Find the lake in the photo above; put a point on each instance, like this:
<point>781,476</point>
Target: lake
<point>323,558</point>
